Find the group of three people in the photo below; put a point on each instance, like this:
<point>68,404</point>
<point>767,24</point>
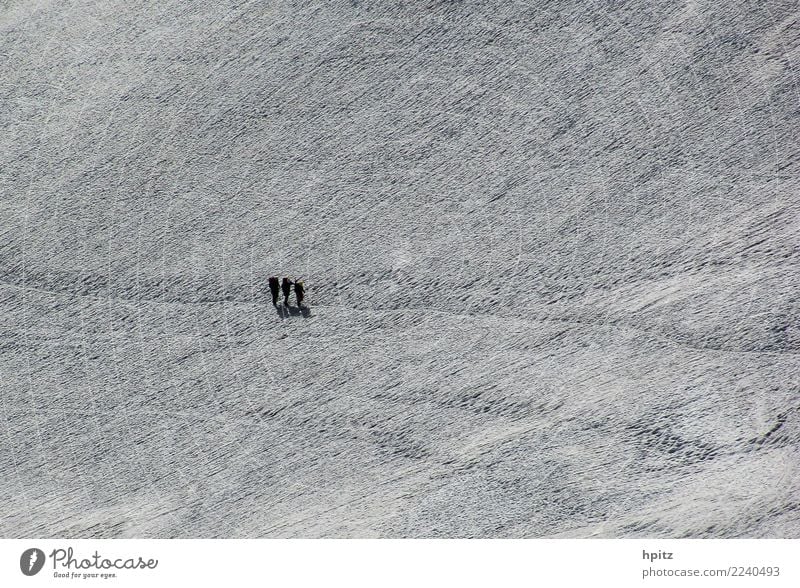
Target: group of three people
<point>286,285</point>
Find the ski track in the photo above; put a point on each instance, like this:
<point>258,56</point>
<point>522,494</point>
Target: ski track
<point>551,252</point>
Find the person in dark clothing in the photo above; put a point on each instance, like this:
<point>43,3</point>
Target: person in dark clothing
<point>274,288</point>
<point>286,286</point>
<point>299,291</point>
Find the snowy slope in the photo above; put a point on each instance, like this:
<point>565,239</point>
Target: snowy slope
<point>551,249</point>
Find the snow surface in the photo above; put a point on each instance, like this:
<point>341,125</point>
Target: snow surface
<point>551,250</point>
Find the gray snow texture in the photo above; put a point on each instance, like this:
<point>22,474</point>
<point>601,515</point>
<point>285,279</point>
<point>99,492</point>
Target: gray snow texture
<point>551,250</point>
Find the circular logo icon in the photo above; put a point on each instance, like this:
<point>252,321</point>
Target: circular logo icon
<point>31,561</point>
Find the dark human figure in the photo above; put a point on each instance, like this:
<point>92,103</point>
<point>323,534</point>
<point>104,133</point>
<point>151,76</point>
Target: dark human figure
<point>299,291</point>
<point>286,286</point>
<point>274,288</point>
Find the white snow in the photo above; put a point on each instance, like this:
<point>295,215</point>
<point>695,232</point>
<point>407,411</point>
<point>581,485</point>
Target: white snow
<point>551,251</point>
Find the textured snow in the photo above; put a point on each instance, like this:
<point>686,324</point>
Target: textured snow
<point>551,250</point>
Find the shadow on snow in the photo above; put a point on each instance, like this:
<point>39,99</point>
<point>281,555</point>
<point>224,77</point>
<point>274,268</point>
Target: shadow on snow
<point>286,311</point>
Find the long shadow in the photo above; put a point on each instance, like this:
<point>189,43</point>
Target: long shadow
<point>286,311</point>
